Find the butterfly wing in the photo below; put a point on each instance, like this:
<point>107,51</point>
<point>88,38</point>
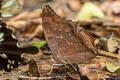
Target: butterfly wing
<point>65,45</point>
<point>10,52</point>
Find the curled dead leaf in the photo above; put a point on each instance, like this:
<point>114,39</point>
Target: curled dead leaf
<point>113,43</point>
<point>33,69</point>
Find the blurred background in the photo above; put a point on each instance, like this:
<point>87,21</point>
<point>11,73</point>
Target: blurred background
<point>96,16</point>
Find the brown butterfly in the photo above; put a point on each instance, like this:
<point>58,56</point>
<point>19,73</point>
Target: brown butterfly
<point>67,42</point>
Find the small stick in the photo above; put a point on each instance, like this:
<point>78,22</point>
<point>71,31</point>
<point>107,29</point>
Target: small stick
<point>37,78</point>
<point>105,53</point>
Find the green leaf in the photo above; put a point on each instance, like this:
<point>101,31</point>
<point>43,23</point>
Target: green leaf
<point>10,8</point>
<point>39,44</point>
<point>88,11</point>
<point>112,66</point>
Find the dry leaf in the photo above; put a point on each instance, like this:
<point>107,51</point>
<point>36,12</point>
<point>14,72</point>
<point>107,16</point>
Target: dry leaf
<point>33,69</point>
<point>113,43</point>
<point>112,66</point>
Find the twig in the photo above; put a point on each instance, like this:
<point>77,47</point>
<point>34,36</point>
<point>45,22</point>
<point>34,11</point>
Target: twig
<point>101,52</point>
<point>38,78</point>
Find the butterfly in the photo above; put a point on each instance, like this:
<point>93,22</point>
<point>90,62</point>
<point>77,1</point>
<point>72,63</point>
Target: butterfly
<point>10,52</point>
<point>66,40</point>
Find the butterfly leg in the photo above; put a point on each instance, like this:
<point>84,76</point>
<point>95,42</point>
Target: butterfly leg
<point>72,66</point>
<point>52,67</point>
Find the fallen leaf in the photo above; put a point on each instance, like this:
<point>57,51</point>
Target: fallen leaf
<point>88,11</point>
<point>112,66</point>
<point>33,69</point>
<point>113,43</point>
<point>94,71</point>
<point>39,44</point>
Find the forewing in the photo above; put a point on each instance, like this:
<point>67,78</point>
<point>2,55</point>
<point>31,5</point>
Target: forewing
<point>62,40</point>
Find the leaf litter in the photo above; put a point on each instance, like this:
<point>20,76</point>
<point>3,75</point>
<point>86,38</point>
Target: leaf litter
<point>27,26</point>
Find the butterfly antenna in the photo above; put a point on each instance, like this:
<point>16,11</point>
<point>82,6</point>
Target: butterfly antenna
<point>1,1</point>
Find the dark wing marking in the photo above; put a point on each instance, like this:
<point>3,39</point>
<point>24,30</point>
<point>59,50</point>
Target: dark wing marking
<point>9,48</point>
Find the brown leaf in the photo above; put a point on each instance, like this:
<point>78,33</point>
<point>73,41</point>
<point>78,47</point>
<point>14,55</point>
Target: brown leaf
<point>33,69</point>
<point>95,69</point>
